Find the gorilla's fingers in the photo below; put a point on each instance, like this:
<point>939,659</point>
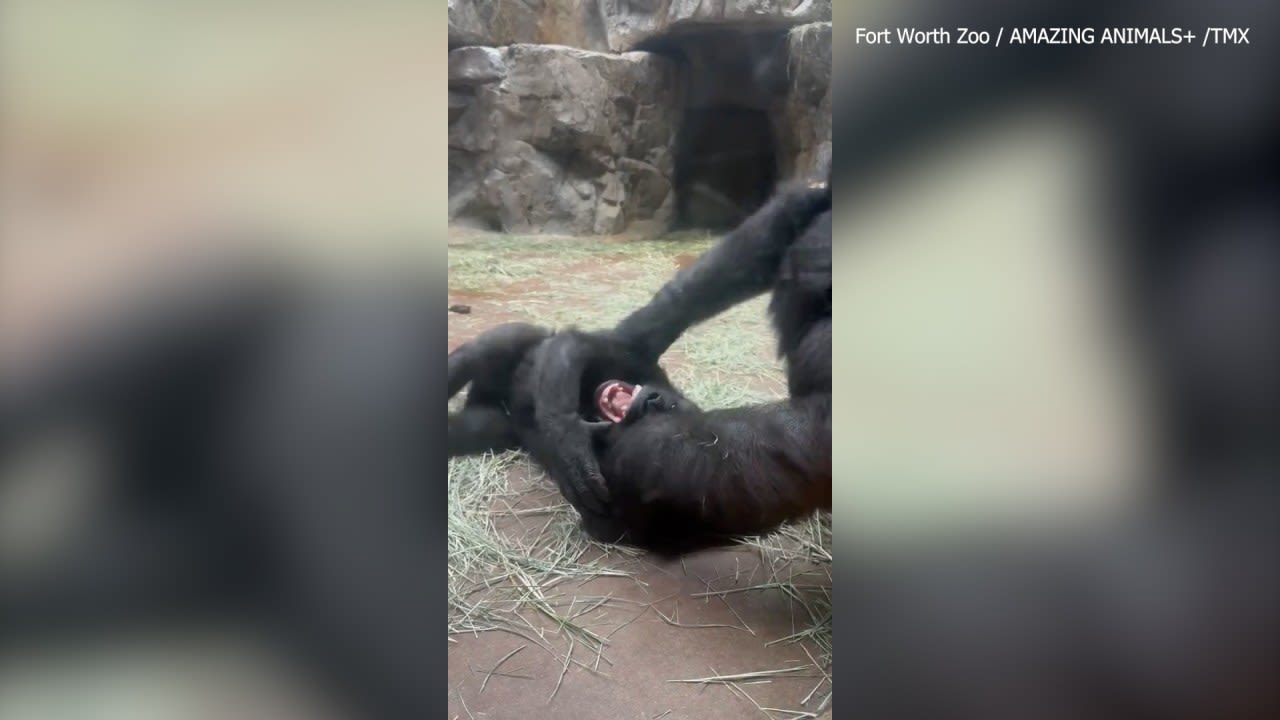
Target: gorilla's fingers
<point>584,486</point>
<point>581,480</point>
<point>595,427</point>
<point>569,460</point>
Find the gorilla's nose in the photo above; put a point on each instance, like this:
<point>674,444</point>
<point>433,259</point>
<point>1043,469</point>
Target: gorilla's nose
<point>653,401</point>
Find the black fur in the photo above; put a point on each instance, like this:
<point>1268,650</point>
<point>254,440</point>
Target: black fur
<point>520,373</point>
<point>679,481</point>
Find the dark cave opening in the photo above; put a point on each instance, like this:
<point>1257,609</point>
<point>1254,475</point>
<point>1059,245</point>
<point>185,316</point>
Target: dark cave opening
<point>727,155</point>
<point>726,165</point>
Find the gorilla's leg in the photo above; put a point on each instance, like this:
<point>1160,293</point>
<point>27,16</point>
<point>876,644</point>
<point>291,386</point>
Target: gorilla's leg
<point>491,359</point>
<point>489,364</point>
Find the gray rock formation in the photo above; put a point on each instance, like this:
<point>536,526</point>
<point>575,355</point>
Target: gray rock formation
<point>615,25</point>
<point>577,23</point>
<point>561,140</point>
<point>471,67</point>
<point>628,23</point>
<point>804,123</point>
<point>552,130</point>
<point>465,26</point>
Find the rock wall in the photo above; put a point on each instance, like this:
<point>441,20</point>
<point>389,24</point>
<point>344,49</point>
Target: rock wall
<point>614,25</point>
<point>557,126</point>
<point>561,140</point>
<point>577,23</point>
<point>628,23</point>
<point>803,125</point>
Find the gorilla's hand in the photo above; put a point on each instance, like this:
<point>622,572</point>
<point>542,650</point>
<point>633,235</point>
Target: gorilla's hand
<point>563,442</point>
<point>742,265</point>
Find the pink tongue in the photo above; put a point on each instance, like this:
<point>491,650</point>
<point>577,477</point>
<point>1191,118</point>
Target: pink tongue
<point>614,401</point>
<point>621,402</point>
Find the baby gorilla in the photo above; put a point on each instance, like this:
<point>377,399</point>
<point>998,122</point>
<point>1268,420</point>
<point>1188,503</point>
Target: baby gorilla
<point>632,409</point>
<point>500,414</point>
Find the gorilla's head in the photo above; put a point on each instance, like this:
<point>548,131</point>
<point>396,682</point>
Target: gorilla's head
<point>620,402</point>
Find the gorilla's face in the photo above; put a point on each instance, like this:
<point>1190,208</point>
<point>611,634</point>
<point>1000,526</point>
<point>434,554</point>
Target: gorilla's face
<point>620,402</point>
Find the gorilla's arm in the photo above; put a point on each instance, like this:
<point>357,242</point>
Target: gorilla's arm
<point>685,481</point>
<point>740,266</point>
<point>561,439</point>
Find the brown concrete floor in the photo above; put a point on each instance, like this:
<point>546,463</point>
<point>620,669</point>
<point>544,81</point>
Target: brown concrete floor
<point>646,652</point>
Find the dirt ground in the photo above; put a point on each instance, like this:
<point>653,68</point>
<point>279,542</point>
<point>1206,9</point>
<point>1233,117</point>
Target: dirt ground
<point>662,628</point>
<point>667,624</point>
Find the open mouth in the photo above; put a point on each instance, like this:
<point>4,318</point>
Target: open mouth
<point>613,398</point>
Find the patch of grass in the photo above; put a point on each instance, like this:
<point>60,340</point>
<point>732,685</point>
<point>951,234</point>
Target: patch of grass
<point>488,262</point>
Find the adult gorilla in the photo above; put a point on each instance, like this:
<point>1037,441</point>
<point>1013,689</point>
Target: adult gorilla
<point>677,481</point>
